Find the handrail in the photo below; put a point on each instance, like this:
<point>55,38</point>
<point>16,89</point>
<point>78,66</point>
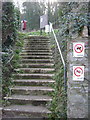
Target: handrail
<point>65,74</point>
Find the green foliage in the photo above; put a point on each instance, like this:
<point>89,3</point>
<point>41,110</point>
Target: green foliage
<point>59,102</point>
<point>73,17</point>
<point>32,12</point>
<point>38,33</point>
<point>8,23</point>
<point>17,17</point>
<point>8,67</point>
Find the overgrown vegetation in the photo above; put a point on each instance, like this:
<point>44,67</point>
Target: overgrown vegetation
<point>59,102</point>
<point>11,43</point>
<point>11,65</point>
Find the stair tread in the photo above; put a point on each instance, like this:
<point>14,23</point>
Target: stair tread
<point>35,56</point>
<point>38,74</point>
<point>37,50</point>
<point>47,69</point>
<point>27,108</point>
<point>37,59</point>
<point>33,80</point>
<point>32,53</point>
<point>29,97</point>
<point>36,64</point>
<point>32,88</point>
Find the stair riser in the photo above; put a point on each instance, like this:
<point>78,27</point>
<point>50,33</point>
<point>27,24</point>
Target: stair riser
<point>33,51</point>
<point>36,71</point>
<point>33,83</point>
<point>37,40</point>
<point>36,48</point>
<point>13,114</point>
<point>36,57</point>
<point>36,43</point>
<point>33,61</point>
<point>32,77</point>
<point>25,54</point>
<point>25,102</point>
<point>33,39</point>
<point>31,92</point>
<point>36,66</point>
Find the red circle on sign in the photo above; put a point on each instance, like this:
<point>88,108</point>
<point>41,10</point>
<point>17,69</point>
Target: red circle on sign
<point>76,48</point>
<point>78,69</point>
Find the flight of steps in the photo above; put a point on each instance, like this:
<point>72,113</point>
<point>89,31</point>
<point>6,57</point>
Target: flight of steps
<point>32,91</point>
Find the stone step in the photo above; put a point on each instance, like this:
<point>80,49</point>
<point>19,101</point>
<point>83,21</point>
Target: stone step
<point>37,42</point>
<point>36,57</point>
<point>34,48</point>
<point>37,60</point>
<point>25,111</point>
<point>37,37</point>
<point>36,53</point>
<point>31,90</point>
<point>39,51</point>
<point>33,76</point>
<point>42,40</point>
<point>40,47</point>
<point>36,45</point>
<point>28,99</point>
<point>35,70</point>
<point>33,82</point>
<point>34,65</point>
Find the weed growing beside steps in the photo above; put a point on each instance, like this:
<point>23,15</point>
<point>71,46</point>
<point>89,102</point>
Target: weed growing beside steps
<point>8,67</point>
<point>58,106</point>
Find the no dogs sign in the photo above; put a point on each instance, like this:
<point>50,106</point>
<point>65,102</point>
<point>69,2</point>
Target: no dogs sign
<point>78,73</point>
<point>78,49</point>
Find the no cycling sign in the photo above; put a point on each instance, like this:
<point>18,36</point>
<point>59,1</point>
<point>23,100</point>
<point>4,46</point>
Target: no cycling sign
<point>78,49</point>
<point>78,73</point>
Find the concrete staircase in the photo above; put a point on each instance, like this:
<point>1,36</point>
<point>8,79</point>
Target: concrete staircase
<point>32,92</point>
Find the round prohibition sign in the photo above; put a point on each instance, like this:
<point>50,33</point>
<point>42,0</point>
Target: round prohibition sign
<point>78,48</point>
<point>78,71</point>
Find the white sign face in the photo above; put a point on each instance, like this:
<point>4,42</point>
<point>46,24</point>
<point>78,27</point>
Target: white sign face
<point>78,49</point>
<point>41,19</point>
<point>47,28</point>
<point>78,73</point>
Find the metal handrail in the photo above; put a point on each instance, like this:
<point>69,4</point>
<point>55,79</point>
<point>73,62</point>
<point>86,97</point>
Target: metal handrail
<point>63,61</point>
